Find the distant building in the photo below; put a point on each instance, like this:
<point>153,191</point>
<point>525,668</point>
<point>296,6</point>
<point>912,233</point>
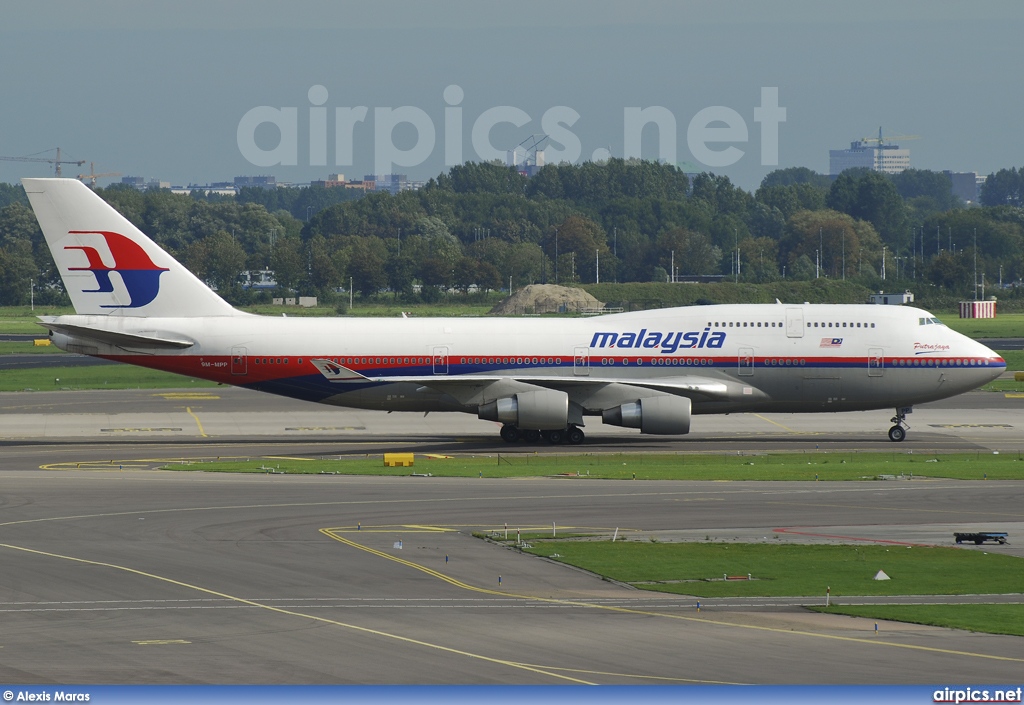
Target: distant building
<point>393,183</point>
<point>867,154</point>
<point>260,279</point>
<point>264,182</point>
<point>966,185</point>
<point>221,188</point>
<point>338,181</point>
<point>891,299</point>
<point>526,162</point>
<point>139,183</point>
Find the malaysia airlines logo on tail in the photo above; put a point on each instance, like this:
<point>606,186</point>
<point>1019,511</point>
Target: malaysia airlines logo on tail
<point>141,277</point>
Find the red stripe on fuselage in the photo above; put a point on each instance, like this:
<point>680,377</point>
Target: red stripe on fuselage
<point>223,368</point>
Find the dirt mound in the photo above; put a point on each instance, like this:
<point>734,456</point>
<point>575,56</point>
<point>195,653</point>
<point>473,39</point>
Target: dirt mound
<point>547,298</point>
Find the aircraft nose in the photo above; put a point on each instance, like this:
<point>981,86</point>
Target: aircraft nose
<point>993,364</point>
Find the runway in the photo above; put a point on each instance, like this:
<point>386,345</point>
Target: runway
<point>128,574</point>
<point>230,417</point>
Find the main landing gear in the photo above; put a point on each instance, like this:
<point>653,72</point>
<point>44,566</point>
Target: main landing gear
<point>898,432</point>
<point>572,435</point>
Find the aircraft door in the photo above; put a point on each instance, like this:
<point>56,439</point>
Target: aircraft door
<point>746,361</point>
<point>581,361</point>
<point>794,323</point>
<point>239,360</point>
<point>440,359</point>
<point>876,362</point>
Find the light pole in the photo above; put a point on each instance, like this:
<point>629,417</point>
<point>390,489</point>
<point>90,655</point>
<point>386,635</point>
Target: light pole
<point>615,251</point>
<point>32,293</point>
<point>736,235</point>
<point>556,254</point>
<point>975,264</point>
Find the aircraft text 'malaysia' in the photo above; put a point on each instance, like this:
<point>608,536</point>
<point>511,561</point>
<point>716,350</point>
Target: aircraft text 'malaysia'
<point>668,342</point>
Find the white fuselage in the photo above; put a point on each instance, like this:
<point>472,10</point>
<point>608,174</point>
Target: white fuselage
<point>726,358</point>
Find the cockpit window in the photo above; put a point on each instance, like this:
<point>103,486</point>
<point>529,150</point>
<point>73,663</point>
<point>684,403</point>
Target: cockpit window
<point>937,322</point>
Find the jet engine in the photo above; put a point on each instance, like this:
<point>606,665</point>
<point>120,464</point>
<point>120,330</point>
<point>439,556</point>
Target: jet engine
<point>542,410</point>
<point>664,415</point>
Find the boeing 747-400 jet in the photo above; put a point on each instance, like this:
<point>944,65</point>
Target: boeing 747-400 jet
<point>540,378</point>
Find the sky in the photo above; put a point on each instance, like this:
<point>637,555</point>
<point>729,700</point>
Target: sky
<point>194,92</point>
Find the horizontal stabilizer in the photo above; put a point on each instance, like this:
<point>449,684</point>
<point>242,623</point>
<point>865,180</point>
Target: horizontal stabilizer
<point>111,337</point>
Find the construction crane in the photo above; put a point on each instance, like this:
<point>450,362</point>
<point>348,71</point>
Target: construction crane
<point>56,162</point>
<point>92,176</point>
<point>878,140</point>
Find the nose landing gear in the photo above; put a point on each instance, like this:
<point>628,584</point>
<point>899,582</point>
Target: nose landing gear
<point>899,431</point>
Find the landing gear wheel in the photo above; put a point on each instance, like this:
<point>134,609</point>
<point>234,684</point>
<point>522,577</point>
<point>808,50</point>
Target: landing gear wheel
<point>574,435</point>
<point>509,433</point>
<point>531,436</point>
<point>553,437</point>
<point>898,432</point>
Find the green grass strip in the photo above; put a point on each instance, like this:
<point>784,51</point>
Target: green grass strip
<point>791,570</point>
<point>992,619</point>
<point>94,377</point>
<point>817,465</point>
<point>29,348</point>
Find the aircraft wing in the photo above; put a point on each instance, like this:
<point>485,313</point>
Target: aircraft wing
<point>479,389</point>
<point>589,392</point>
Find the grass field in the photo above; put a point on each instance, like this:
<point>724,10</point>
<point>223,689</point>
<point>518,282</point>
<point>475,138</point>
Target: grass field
<point>790,570</point>
<point>28,348</point>
<point>808,570</point>
<point>1014,359</point>
<point>93,377</point>
<point>606,466</point>
<point>21,320</point>
<point>1005,325</point>
<point>993,619</point>
<point>1004,385</point>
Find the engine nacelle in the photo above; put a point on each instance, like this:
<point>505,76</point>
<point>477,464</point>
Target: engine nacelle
<point>659,415</point>
<point>542,410</point>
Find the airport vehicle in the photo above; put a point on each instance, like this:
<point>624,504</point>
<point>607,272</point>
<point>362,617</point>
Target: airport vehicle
<point>540,378</point>
<point>980,537</point>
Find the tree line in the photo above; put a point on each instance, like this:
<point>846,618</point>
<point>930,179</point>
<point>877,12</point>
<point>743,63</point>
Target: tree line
<point>485,226</point>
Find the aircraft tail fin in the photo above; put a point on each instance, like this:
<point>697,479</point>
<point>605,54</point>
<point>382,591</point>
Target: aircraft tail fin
<point>109,267</point>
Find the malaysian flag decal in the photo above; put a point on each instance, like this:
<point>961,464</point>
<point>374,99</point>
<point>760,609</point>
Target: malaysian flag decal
<point>831,343</point>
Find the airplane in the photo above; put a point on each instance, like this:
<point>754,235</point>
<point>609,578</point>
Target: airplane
<point>540,378</point>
